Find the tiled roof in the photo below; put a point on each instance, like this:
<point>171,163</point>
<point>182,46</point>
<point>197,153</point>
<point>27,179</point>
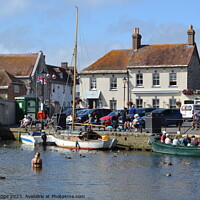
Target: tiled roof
<point>114,60</point>
<point>163,54</point>
<point>146,55</point>
<point>6,78</point>
<point>18,64</point>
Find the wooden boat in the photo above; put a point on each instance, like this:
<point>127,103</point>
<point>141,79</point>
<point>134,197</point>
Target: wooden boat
<point>85,140</point>
<point>34,138</point>
<point>160,147</point>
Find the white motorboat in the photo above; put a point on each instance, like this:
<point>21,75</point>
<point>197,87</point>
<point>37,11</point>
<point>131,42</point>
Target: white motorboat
<point>35,138</point>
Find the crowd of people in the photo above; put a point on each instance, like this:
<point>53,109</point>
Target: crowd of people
<point>186,140</point>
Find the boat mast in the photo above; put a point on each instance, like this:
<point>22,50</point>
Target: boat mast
<point>75,63</point>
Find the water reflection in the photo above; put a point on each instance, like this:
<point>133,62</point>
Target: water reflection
<point>98,174</point>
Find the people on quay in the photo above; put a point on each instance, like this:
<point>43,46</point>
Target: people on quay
<point>89,121</point>
<point>186,140</point>
<point>194,141</point>
<point>114,122</point>
<point>127,123</point>
<point>25,121</point>
<point>176,141</point>
<point>49,121</point>
<point>124,113</point>
<point>163,137</point>
<point>132,110</point>
<point>36,162</point>
<point>195,121</point>
<point>167,139</point>
<point>134,124</point>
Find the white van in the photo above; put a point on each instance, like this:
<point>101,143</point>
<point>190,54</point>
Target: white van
<point>188,110</point>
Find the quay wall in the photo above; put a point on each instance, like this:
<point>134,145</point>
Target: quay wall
<point>127,141</point>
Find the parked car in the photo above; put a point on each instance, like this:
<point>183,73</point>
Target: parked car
<point>106,120</point>
<point>168,116</point>
<point>69,111</point>
<point>98,111</point>
<point>188,110</point>
<point>79,112</point>
<point>140,111</point>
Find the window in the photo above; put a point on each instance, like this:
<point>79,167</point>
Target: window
<point>172,78</point>
<point>113,83</point>
<point>16,89</point>
<point>113,104</point>
<point>139,103</point>
<point>156,79</point>
<point>139,79</point>
<point>172,103</point>
<point>93,83</point>
<point>156,103</point>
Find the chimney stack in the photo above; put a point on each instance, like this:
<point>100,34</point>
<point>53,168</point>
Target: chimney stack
<point>136,39</point>
<point>64,65</point>
<point>191,34</point>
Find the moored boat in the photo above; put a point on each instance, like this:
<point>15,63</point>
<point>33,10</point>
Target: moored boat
<point>85,140</point>
<point>160,147</point>
<point>35,138</point>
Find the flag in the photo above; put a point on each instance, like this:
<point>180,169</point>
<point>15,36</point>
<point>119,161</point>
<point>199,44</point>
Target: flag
<point>41,80</point>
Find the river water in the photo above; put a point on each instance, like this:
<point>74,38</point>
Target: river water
<point>96,175</point>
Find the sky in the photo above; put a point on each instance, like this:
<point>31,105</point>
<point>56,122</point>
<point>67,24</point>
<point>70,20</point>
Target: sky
<point>30,26</point>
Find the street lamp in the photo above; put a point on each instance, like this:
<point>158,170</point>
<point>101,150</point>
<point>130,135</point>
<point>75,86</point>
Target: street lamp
<point>43,73</point>
<point>125,82</point>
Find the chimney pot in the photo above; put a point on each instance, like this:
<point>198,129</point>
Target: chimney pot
<point>136,39</point>
<point>64,65</point>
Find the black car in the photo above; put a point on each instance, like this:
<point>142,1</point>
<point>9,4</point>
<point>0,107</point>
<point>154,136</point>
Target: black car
<point>98,111</point>
<point>69,111</point>
<point>140,111</point>
<point>168,116</point>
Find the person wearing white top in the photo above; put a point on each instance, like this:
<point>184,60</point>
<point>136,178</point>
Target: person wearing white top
<point>176,141</point>
<point>167,140</point>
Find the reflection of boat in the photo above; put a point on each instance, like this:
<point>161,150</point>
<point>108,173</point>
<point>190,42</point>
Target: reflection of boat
<point>160,147</point>
<point>85,140</point>
<point>34,138</point>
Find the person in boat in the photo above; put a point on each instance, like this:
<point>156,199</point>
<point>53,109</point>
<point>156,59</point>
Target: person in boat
<point>36,162</point>
<point>186,140</point>
<point>163,137</point>
<point>168,140</point>
<point>176,141</point>
<point>194,141</point>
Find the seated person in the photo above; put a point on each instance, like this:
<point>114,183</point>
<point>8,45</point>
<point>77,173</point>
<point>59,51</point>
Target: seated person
<point>176,141</point>
<point>135,122</point>
<point>194,141</point>
<point>89,121</point>
<point>167,140</point>
<point>186,140</point>
<point>114,122</point>
<point>26,121</point>
<point>163,137</point>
